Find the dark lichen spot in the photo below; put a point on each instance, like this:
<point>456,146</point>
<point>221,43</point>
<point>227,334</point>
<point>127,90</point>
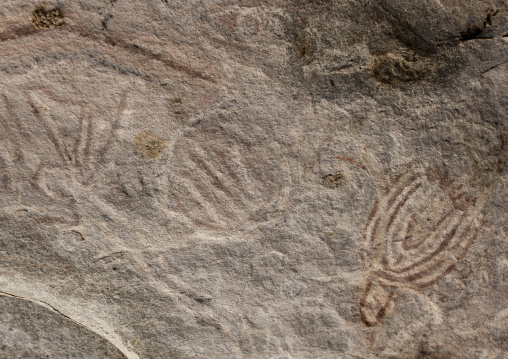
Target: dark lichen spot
<point>148,145</point>
<point>46,17</point>
<point>476,30</point>
<point>303,40</point>
<point>404,67</point>
<point>471,33</point>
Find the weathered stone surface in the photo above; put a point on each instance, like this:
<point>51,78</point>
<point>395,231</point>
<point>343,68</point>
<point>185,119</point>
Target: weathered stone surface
<point>254,179</point>
<point>31,330</point>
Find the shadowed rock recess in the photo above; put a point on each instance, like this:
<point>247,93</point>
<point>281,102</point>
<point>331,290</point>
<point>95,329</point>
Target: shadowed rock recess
<point>254,179</point>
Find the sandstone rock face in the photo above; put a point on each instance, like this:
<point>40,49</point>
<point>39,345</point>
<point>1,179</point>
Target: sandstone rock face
<point>254,179</point>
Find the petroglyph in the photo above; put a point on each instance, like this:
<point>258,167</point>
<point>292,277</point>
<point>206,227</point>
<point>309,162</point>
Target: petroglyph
<point>70,153</point>
<point>222,180</point>
<point>192,179</point>
<point>73,133</point>
<point>415,235</point>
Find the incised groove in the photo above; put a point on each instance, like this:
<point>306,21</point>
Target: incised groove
<point>23,31</point>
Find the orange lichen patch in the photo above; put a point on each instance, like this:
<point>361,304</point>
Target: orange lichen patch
<point>45,17</point>
<point>333,180</point>
<point>148,145</point>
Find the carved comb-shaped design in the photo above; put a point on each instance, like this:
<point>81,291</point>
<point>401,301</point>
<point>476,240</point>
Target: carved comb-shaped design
<point>223,179</point>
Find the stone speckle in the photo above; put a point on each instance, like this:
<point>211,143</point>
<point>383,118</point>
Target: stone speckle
<point>253,179</point>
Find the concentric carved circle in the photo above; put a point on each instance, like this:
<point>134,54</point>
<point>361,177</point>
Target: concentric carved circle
<point>416,234</point>
<point>419,231</point>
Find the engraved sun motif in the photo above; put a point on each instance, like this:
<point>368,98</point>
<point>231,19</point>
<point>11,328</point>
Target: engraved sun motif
<point>414,236</point>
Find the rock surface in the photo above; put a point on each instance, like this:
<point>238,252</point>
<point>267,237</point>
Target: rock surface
<point>254,179</point>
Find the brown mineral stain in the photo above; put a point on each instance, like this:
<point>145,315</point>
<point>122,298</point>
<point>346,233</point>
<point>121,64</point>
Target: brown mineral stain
<point>229,21</point>
<point>148,145</point>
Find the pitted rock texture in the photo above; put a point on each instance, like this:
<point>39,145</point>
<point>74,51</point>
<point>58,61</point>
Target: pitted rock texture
<point>254,179</point>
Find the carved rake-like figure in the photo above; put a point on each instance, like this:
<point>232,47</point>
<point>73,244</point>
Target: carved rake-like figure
<point>414,236</point>
<point>62,118</point>
<point>67,162</point>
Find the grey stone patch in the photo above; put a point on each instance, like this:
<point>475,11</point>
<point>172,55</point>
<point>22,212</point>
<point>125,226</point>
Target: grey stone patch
<point>254,179</point>
<point>31,330</point>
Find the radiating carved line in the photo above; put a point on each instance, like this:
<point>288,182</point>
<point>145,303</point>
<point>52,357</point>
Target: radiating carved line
<point>400,204</point>
<point>219,156</point>
<point>234,179</point>
<point>215,181</point>
<point>89,137</point>
<point>114,127</point>
<point>5,181</point>
<point>17,120</point>
<point>15,138</point>
<point>188,195</point>
<point>47,128</point>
